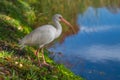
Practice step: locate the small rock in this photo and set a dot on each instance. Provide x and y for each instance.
(16, 63)
(20, 65)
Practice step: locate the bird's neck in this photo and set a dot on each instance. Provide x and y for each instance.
(58, 28)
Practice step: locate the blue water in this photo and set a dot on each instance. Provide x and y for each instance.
(93, 53)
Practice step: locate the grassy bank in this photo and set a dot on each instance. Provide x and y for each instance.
(18, 18)
(14, 67)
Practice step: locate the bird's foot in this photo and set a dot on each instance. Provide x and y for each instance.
(45, 64)
(39, 64)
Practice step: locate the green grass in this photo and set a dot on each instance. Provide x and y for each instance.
(14, 67)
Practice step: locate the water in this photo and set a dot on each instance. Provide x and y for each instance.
(93, 53)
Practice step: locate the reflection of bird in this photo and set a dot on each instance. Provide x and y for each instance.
(44, 35)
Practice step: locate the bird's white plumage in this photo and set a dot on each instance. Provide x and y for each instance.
(40, 36)
(43, 34)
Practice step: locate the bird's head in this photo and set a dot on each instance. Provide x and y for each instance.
(59, 17)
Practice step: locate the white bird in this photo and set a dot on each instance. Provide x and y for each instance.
(45, 34)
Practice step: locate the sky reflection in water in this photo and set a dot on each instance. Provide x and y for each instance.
(97, 45)
(103, 31)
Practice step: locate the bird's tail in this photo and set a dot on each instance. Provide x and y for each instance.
(21, 44)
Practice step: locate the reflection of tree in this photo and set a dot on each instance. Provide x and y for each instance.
(113, 9)
(81, 6)
(45, 9)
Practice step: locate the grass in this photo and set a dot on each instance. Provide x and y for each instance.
(14, 67)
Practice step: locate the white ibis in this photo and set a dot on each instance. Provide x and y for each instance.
(45, 34)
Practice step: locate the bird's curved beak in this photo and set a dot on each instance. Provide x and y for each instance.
(66, 22)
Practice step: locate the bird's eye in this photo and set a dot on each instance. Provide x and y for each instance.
(60, 17)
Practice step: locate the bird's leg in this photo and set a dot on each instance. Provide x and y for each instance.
(36, 53)
(44, 62)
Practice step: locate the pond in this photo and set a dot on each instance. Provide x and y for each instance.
(94, 52)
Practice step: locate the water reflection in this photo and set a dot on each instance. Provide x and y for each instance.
(94, 52)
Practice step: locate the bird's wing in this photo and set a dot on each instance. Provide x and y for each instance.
(40, 36)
